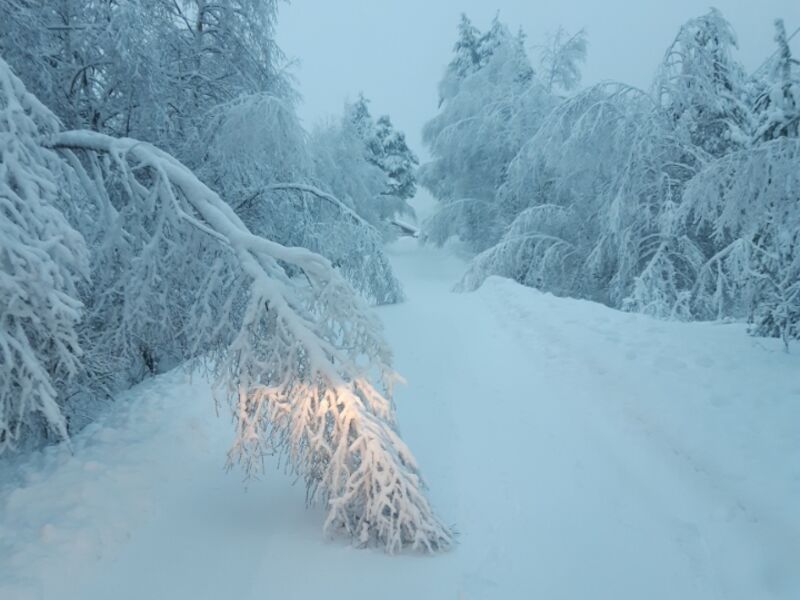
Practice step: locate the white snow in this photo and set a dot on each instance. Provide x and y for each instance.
(581, 453)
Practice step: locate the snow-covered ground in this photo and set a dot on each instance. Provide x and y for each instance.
(581, 453)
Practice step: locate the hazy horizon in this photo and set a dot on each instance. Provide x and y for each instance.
(395, 52)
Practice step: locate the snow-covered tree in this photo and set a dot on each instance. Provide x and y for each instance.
(494, 38)
(342, 166)
(204, 81)
(217, 52)
(101, 65)
(777, 107)
(674, 204)
(702, 87)
(467, 52)
(296, 352)
(345, 155)
(584, 198)
(287, 185)
(749, 201)
(472, 51)
(560, 60)
(260, 158)
(483, 122)
(702, 114)
(147, 68)
(396, 159)
(358, 116)
(679, 203)
(43, 261)
(385, 148)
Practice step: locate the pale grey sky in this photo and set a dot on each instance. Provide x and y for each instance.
(395, 50)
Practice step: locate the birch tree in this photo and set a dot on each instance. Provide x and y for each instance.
(297, 355)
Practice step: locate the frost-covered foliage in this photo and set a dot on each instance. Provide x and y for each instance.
(397, 160)
(680, 202)
(701, 86)
(304, 215)
(117, 262)
(587, 229)
(561, 58)
(296, 352)
(146, 68)
(750, 203)
(535, 251)
(778, 106)
(385, 148)
(260, 158)
(206, 82)
(349, 160)
(488, 111)
(42, 263)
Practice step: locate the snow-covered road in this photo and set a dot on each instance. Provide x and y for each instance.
(580, 452)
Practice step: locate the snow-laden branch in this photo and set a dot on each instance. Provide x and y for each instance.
(330, 227)
(748, 201)
(42, 262)
(297, 363)
(309, 189)
(534, 251)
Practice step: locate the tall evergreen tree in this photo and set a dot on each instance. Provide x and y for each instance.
(702, 86)
(777, 107)
(467, 49)
(385, 148)
(396, 159)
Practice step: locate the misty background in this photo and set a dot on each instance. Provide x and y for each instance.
(395, 51)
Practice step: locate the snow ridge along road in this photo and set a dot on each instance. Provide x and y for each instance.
(581, 453)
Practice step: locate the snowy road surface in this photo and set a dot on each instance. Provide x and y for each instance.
(582, 453)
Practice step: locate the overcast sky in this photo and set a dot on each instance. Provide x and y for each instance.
(395, 50)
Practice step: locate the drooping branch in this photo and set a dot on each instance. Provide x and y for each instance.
(293, 363)
(309, 189)
(43, 260)
(361, 260)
